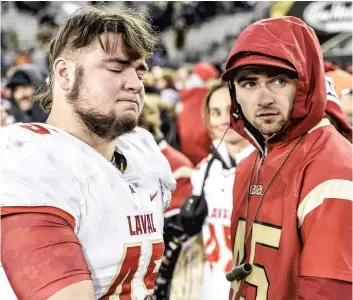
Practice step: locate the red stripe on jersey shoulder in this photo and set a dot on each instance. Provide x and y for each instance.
(10, 210)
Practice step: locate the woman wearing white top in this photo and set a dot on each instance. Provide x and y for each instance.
(217, 191)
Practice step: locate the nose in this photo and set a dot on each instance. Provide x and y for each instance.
(225, 118)
(132, 82)
(265, 97)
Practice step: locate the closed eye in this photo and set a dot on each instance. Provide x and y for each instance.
(115, 71)
(140, 77)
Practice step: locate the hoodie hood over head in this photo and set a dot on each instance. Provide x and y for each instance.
(290, 41)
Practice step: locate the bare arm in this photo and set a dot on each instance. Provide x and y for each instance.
(82, 290)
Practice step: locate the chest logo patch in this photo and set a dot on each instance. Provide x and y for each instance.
(256, 189)
(153, 196)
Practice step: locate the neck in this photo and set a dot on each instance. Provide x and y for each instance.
(73, 126)
(237, 147)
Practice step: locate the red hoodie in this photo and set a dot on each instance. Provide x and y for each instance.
(301, 237)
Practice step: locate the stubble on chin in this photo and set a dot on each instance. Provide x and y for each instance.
(269, 129)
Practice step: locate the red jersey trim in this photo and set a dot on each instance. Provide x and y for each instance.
(5, 211)
(48, 247)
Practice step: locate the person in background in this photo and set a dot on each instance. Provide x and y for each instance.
(293, 196)
(342, 82)
(6, 116)
(166, 85)
(24, 83)
(181, 77)
(190, 120)
(213, 181)
(334, 112)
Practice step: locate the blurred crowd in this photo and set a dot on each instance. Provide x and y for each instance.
(178, 94)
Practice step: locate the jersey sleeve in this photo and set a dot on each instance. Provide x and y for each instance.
(40, 254)
(32, 174)
(325, 221)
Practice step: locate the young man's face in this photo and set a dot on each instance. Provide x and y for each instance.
(108, 91)
(266, 100)
(23, 95)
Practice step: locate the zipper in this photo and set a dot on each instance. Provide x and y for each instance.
(260, 163)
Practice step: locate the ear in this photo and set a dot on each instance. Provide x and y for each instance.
(62, 71)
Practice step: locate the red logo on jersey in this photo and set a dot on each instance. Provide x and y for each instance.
(141, 224)
(153, 196)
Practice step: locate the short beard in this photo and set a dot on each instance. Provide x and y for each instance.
(270, 129)
(105, 126)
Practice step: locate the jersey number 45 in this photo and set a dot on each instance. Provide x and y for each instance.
(121, 284)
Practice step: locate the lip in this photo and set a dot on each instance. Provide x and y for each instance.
(130, 101)
(264, 115)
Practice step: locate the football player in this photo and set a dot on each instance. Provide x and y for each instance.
(83, 196)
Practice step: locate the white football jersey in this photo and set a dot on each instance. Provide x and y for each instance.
(218, 191)
(118, 216)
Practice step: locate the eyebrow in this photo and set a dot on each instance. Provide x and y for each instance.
(126, 62)
(246, 78)
(219, 108)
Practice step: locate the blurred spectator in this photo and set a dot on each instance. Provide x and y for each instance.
(167, 88)
(334, 112)
(193, 135)
(21, 58)
(5, 93)
(181, 77)
(6, 116)
(24, 83)
(330, 66)
(342, 82)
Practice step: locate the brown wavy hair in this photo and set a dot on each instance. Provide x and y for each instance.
(86, 24)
